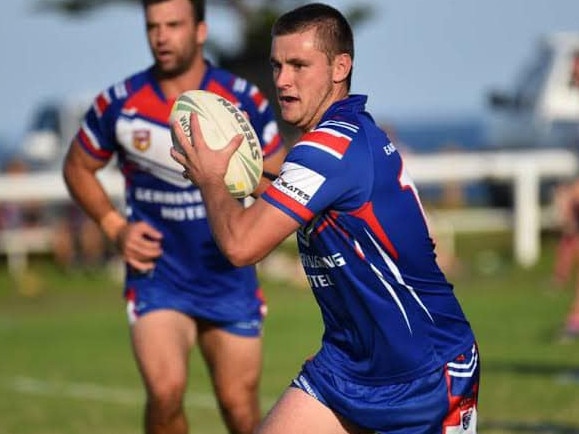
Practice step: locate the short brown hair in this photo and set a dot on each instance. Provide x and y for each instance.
(334, 33)
(197, 5)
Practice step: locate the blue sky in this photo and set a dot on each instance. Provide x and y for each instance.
(416, 58)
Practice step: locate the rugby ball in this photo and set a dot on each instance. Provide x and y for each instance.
(220, 121)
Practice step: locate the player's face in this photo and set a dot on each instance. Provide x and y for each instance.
(307, 83)
(174, 38)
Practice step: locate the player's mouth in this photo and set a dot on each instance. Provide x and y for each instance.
(164, 55)
(286, 100)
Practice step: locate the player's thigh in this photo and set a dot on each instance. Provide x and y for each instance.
(162, 341)
(234, 361)
(298, 412)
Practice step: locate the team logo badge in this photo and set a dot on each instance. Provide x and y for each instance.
(141, 140)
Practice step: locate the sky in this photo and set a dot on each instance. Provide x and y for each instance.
(414, 58)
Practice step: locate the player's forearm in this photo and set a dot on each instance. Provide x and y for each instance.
(88, 192)
(226, 217)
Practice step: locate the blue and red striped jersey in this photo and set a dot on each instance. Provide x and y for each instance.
(130, 120)
(390, 315)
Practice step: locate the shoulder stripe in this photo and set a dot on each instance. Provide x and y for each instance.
(258, 98)
(239, 85)
(101, 103)
(88, 142)
(215, 87)
(342, 124)
(120, 90)
(327, 140)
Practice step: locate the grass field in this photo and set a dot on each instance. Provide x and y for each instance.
(66, 366)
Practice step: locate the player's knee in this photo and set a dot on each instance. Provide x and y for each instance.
(235, 403)
(240, 408)
(166, 396)
(238, 394)
(241, 417)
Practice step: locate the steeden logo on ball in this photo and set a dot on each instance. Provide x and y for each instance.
(220, 121)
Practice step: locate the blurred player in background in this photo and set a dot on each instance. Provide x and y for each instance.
(566, 203)
(397, 353)
(180, 289)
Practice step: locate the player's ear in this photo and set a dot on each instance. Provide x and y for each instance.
(342, 67)
(201, 33)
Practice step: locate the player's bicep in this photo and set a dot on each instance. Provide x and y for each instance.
(78, 159)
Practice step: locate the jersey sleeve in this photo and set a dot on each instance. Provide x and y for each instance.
(97, 130)
(317, 175)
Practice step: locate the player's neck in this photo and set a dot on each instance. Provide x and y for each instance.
(190, 79)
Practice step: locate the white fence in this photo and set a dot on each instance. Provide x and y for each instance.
(525, 169)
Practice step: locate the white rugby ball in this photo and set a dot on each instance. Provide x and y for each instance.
(220, 121)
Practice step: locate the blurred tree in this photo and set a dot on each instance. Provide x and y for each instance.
(251, 60)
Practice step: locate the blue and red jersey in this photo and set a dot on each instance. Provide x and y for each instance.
(130, 120)
(390, 315)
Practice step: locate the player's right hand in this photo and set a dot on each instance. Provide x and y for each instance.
(140, 245)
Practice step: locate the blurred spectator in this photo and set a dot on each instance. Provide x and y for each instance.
(566, 201)
(567, 208)
(77, 241)
(14, 217)
(574, 80)
(453, 194)
(19, 215)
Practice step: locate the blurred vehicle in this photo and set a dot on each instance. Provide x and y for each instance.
(52, 127)
(542, 109)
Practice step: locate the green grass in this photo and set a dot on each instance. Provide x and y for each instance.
(66, 365)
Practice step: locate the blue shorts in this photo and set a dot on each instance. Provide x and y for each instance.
(144, 295)
(444, 401)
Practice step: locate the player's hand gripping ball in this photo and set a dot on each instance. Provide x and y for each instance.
(220, 121)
